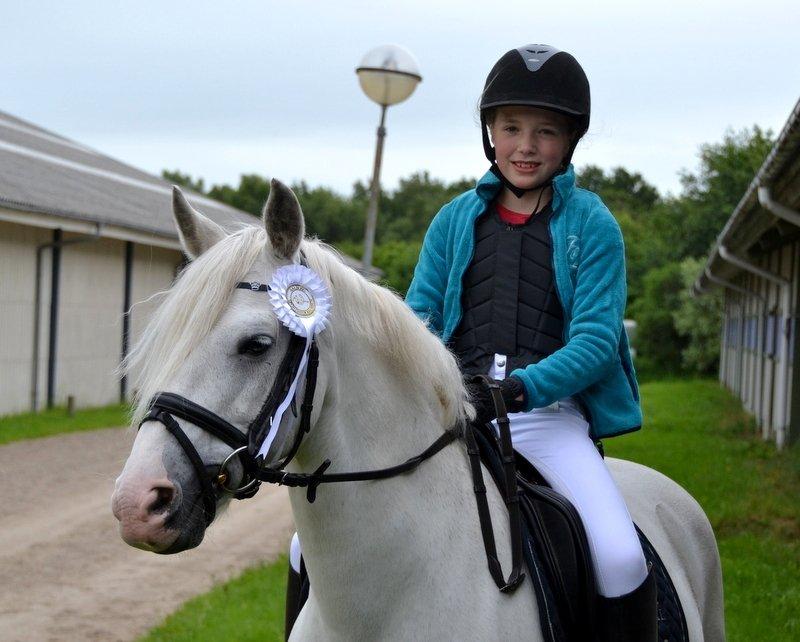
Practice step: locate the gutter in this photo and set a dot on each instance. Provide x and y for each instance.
(774, 160)
(731, 286)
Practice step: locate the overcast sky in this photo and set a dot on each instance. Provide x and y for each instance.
(220, 89)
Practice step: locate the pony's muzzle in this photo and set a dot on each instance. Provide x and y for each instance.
(145, 512)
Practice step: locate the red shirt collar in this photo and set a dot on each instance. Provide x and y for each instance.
(510, 216)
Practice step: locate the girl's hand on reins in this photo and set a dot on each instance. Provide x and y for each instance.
(512, 389)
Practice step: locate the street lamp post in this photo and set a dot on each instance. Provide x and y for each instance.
(387, 75)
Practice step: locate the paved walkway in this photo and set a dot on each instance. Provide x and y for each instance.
(66, 575)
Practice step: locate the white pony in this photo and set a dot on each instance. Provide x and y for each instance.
(400, 559)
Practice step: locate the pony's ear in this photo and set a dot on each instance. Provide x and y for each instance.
(197, 233)
(283, 219)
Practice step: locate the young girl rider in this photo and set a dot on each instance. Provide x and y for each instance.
(524, 278)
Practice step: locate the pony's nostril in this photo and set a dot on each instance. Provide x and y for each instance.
(163, 499)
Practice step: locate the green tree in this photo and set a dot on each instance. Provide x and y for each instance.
(690, 223)
(405, 214)
(699, 321)
(330, 216)
(658, 344)
(633, 201)
(620, 189)
(250, 195)
(397, 259)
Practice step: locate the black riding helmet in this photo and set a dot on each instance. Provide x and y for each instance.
(537, 76)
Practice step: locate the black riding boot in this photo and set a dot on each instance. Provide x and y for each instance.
(294, 599)
(632, 617)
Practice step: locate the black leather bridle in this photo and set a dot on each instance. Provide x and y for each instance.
(165, 406)
(213, 479)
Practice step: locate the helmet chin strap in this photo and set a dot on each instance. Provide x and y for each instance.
(519, 192)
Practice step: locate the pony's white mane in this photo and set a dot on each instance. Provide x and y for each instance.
(389, 325)
(201, 293)
(190, 309)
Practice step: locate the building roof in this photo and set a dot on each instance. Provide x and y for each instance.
(43, 173)
(752, 229)
(46, 173)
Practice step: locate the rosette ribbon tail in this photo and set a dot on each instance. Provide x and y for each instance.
(301, 301)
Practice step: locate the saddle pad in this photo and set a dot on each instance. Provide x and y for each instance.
(671, 618)
(568, 615)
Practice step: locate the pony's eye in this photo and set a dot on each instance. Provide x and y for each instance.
(255, 345)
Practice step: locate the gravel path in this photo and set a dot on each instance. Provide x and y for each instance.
(66, 575)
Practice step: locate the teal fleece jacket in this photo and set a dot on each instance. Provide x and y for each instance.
(589, 267)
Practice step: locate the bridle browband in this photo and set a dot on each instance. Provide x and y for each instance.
(165, 406)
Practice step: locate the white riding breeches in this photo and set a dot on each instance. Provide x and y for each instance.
(295, 552)
(556, 441)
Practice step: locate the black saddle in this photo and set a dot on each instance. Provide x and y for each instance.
(558, 559)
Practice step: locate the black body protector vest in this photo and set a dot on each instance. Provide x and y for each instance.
(509, 299)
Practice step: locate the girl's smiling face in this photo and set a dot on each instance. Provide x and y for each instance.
(530, 143)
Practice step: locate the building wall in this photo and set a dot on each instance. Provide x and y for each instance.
(18, 245)
(753, 329)
(89, 324)
(154, 270)
(89, 330)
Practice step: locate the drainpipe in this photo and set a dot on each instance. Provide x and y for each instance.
(785, 286)
(781, 211)
(55, 278)
(698, 290)
(126, 317)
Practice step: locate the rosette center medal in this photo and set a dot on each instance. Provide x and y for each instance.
(300, 300)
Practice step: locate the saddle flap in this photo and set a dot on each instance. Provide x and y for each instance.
(556, 550)
(555, 544)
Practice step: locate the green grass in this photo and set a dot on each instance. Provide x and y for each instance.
(696, 433)
(247, 609)
(56, 420)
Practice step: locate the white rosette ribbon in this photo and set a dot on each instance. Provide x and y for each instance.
(301, 302)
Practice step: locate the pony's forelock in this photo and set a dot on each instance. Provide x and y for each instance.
(190, 309)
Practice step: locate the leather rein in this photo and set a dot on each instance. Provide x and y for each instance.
(213, 478)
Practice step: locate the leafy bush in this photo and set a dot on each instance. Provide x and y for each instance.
(658, 344)
(699, 321)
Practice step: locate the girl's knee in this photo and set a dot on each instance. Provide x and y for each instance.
(621, 568)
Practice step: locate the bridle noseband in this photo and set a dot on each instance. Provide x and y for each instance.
(165, 406)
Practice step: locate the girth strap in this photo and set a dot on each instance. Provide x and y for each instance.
(511, 496)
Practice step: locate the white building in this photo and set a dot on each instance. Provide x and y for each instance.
(756, 259)
(82, 238)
